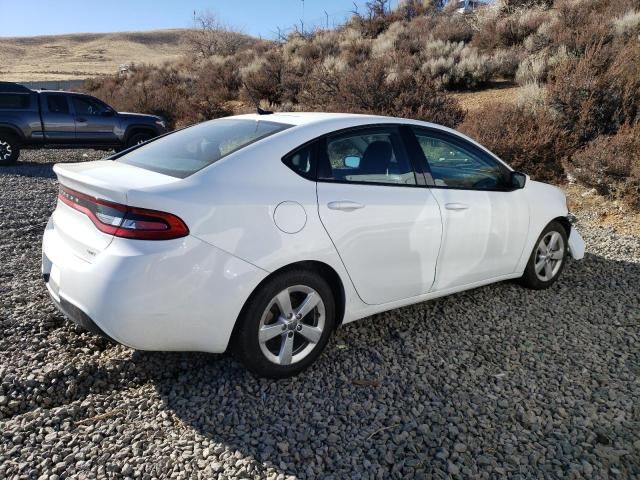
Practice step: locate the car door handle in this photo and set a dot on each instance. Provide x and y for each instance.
(81, 119)
(345, 206)
(456, 206)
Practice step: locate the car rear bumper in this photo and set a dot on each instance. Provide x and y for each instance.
(181, 294)
(73, 313)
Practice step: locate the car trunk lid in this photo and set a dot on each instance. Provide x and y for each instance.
(104, 184)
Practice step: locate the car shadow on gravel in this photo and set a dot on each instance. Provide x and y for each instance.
(493, 379)
(30, 169)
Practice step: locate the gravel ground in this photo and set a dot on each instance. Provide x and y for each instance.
(496, 382)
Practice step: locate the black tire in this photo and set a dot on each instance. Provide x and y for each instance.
(138, 138)
(9, 149)
(246, 345)
(544, 279)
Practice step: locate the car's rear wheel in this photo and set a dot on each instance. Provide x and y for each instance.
(285, 325)
(547, 259)
(9, 149)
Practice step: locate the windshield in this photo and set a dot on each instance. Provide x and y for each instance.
(185, 152)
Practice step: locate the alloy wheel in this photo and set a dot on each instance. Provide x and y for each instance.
(291, 325)
(549, 256)
(5, 150)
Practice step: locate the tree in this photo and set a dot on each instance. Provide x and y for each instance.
(210, 37)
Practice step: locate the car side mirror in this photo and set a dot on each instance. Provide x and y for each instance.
(352, 161)
(518, 179)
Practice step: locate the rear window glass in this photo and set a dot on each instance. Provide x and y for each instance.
(187, 151)
(15, 101)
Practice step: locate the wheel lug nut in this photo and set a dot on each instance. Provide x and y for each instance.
(284, 327)
(290, 334)
(299, 327)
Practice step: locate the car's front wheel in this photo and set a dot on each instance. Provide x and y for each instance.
(286, 324)
(138, 139)
(547, 259)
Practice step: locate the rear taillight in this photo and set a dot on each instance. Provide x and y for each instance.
(125, 221)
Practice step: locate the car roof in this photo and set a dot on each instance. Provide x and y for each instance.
(337, 121)
(308, 118)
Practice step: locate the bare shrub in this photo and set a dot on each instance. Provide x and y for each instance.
(611, 165)
(370, 89)
(452, 28)
(149, 89)
(211, 37)
(533, 69)
(529, 140)
(597, 92)
(628, 24)
(263, 78)
(354, 47)
(532, 97)
(505, 63)
(455, 65)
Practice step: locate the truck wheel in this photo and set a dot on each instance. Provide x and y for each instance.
(138, 138)
(9, 149)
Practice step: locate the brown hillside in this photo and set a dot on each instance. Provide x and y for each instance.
(82, 55)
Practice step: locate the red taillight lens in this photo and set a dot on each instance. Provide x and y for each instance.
(124, 221)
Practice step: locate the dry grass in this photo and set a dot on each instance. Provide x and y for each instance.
(78, 56)
(496, 93)
(601, 210)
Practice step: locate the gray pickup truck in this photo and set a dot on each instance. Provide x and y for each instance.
(53, 119)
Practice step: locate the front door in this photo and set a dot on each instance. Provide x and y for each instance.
(94, 121)
(385, 228)
(485, 220)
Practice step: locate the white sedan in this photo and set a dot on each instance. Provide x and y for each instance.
(263, 233)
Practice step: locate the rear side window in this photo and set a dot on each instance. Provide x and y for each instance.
(15, 101)
(185, 152)
(302, 161)
(57, 104)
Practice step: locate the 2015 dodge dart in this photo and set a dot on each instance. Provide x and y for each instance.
(264, 233)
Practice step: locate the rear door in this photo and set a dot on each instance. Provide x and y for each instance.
(57, 118)
(485, 220)
(384, 226)
(95, 121)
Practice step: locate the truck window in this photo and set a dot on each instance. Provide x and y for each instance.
(14, 101)
(87, 106)
(57, 104)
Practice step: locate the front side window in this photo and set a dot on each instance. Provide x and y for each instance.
(184, 152)
(57, 104)
(88, 106)
(371, 156)
(454, 165)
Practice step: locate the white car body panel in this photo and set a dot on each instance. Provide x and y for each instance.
(546, 203)
(576, 245)
(484, 235)
(250, 215)
(172, 295)
(401, 229)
